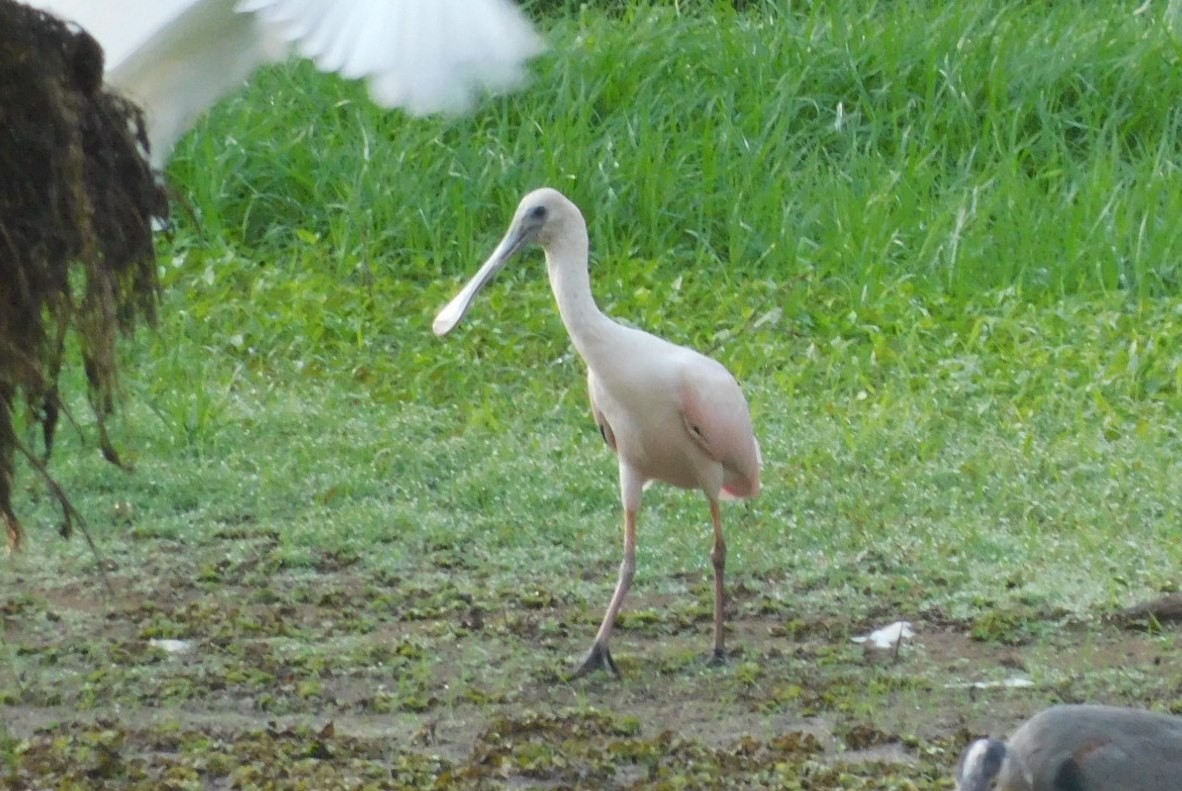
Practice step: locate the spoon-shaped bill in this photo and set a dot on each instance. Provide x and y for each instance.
(453, 312)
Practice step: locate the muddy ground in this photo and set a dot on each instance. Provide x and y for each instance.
(213, 666)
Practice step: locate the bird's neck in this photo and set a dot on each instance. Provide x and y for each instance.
(586, 324)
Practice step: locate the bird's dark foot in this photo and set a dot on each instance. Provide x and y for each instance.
(598, 658)
(717, 658)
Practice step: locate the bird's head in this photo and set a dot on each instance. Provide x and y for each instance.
(544, 216)
(989, 765)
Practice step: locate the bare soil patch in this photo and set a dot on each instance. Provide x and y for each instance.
(202, 671)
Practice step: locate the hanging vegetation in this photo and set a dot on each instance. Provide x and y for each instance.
(77, 263)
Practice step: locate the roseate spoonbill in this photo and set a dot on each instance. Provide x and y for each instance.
(1079, 748)
(177, 57)
(670, 413)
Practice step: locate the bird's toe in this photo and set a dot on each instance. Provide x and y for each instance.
(598, 658)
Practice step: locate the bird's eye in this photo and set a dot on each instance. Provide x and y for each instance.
(538, 213)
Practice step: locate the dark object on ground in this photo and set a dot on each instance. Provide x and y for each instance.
(77, 199)
(1159, 610)
(1079, 747)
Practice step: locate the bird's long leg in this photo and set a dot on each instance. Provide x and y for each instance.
(600, 657)
(718, 557)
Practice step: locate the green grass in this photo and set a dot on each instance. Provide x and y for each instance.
(936, 241)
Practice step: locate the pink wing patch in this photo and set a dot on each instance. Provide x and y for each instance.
(717, 417)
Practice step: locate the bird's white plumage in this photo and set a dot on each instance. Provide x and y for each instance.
(423, 56)
(675, 415)
(670, 413)
(177, 57)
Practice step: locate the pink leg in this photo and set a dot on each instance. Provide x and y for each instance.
(718, 557)
(599, 657)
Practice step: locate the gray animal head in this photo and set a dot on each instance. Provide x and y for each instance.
(989, 765)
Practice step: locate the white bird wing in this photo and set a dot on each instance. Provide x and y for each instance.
(177, 57)
(122, 26)
(425, 56)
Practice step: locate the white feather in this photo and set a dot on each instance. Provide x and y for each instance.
(178, 57)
